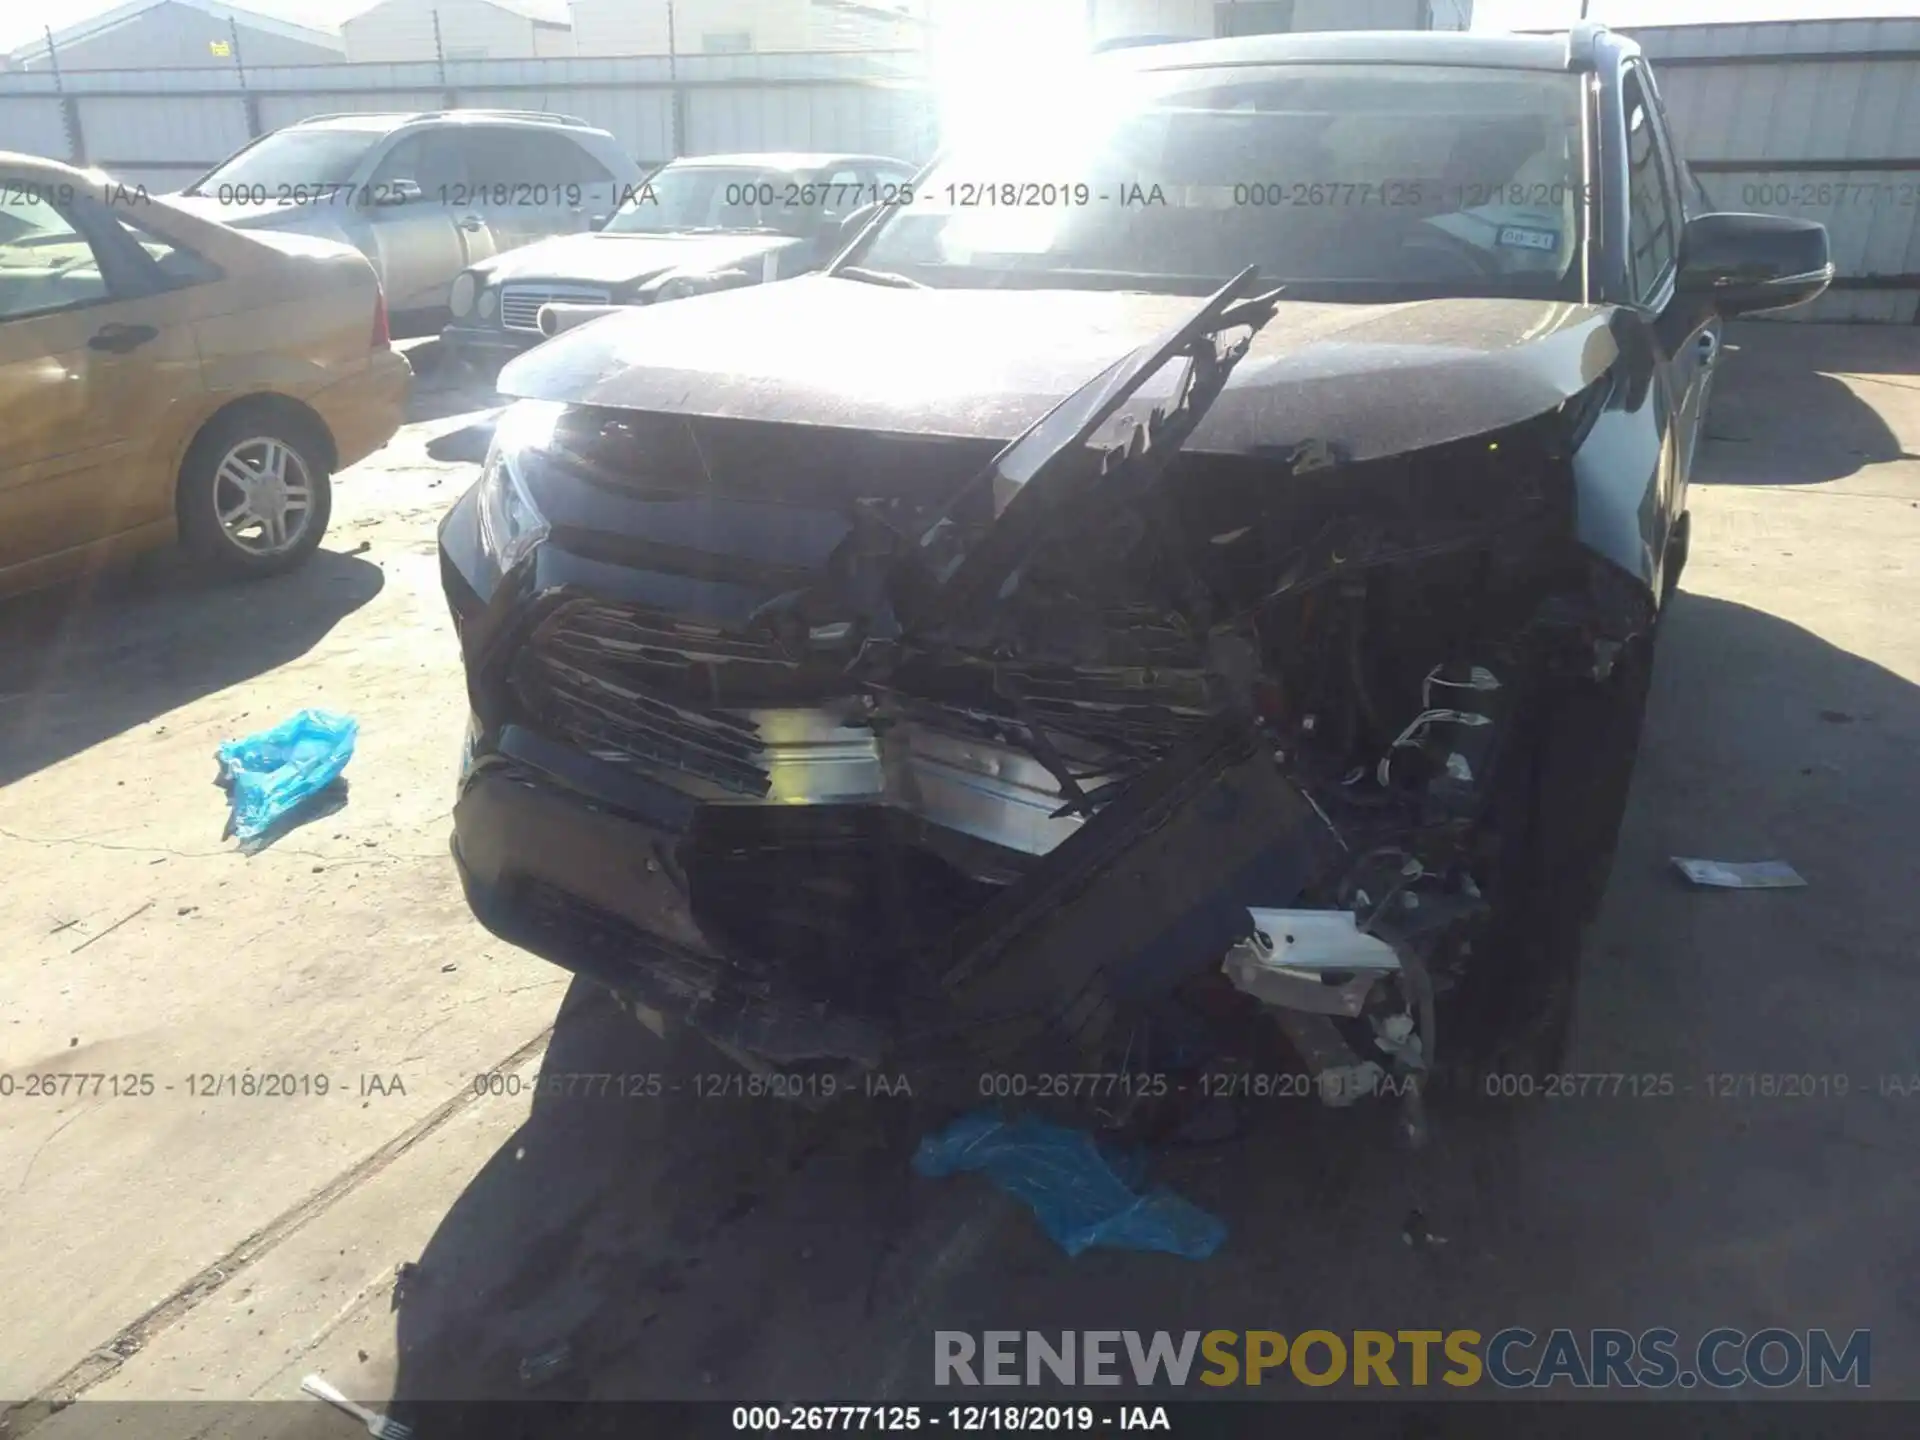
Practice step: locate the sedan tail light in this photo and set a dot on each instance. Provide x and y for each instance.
(382, 336)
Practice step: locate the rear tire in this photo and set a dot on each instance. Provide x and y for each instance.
(255, 493)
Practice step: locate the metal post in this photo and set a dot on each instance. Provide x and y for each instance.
(69, 105)
(677, 109)
(250, 102)
(440, 63)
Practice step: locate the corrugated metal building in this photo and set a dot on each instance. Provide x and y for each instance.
(1819, 119)
(163, 129)
(735, 27)
(1112, 20)
(398, 30)
(177, 34)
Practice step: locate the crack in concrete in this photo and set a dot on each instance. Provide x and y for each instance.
(103, 1360)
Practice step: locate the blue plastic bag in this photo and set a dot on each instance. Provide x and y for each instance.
(268, 774)
(1081, 1199)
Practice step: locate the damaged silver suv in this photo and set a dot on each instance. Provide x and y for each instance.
(1191, 571)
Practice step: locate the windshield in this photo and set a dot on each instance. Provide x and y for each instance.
(725, 197)
(289, 160)
(1349, 179)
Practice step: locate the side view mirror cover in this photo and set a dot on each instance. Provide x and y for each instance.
(1748, 263)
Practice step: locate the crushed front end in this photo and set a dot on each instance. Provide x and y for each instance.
(854, 750)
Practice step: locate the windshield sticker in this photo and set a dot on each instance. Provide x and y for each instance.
(1519, 237)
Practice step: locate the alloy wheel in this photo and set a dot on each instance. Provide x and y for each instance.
(263, 496)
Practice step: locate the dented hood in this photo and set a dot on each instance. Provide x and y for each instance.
(1370, 380)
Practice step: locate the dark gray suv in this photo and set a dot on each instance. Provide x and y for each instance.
(1183, 579)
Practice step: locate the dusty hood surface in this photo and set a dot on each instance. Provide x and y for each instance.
(628, 259)
(1369, 379)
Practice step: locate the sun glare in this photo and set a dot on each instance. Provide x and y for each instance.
(988, 53)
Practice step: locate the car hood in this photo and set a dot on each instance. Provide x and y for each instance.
(1366, 380)
(628, 259)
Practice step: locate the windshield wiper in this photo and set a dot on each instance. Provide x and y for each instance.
(878, 277)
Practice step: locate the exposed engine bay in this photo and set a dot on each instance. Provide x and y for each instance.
(1119, 740)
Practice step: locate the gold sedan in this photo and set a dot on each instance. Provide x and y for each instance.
(166, 377)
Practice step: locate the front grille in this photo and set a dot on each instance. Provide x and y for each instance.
(649, 691)
(520, 304)
(1132, 710)
(634, 688)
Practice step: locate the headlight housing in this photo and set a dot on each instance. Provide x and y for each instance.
(488, 301)
(676, 287)
(510, 520)
(680, 286)
(461, 300)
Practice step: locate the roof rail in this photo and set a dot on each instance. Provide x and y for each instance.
(407, 116)
(347, 115)
(553, 116)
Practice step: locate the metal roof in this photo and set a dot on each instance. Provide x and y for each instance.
(120, 15)
(552, 14)
(546, 12)
(1391, 47)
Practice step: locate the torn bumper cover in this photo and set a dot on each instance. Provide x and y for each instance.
(583, 863)
(596, 889)
(991, 763)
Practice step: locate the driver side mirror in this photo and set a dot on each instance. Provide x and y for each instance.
(1747, 263)
(397, 192)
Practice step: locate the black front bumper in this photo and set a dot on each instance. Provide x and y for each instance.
(588, 878)
(609, 872)
(581, 863)
(576, 861)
